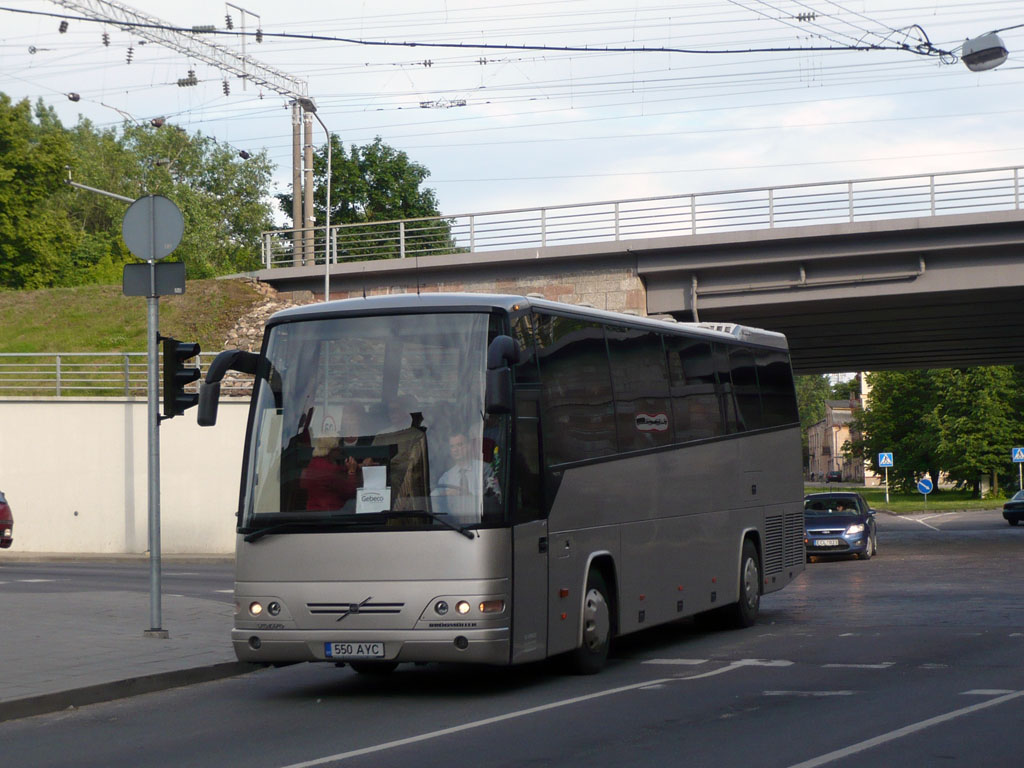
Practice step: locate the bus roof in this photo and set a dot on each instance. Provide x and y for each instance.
(410, 302)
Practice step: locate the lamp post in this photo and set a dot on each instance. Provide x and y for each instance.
(308, 105)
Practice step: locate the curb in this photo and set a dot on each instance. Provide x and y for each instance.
(121, 689)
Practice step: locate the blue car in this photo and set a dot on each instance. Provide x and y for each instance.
(839, 524)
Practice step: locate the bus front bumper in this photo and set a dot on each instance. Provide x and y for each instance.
(282, 646)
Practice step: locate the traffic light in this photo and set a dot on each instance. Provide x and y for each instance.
(177, 376)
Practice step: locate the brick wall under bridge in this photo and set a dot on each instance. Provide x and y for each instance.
(613, 286)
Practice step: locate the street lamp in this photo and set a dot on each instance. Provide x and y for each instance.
(308, 105)
(983, 52)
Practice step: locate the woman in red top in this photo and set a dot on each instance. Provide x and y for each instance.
(329, 484)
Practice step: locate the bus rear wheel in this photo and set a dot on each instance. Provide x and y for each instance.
(743, 613)
(590, 657)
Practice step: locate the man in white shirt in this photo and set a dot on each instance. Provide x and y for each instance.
(468, 481)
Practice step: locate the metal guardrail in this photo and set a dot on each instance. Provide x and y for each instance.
(872, 199)
(91, 374)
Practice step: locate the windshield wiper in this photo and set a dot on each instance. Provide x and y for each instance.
(464, 530)
(259, 533)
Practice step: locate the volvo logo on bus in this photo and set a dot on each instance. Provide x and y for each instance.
(354, 608)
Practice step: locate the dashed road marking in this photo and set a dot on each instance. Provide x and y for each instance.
(809, 694)
(987, 692)
(682, 662)
(35, 581)
(882, 665)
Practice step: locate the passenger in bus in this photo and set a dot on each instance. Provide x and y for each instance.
(468, 480)
(329, 479)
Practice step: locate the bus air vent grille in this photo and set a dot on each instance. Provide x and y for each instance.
(795, 538)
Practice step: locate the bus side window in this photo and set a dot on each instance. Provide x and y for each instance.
(578, 414)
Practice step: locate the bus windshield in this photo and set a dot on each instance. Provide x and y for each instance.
(375, 422)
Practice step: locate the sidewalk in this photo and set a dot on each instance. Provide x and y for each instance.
(69, 649)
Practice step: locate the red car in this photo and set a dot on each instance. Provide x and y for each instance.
(6, 523)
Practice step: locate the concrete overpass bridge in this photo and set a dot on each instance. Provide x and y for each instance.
(893, 272)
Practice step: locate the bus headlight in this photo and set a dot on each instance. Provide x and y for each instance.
(255, 608)
(462, 607)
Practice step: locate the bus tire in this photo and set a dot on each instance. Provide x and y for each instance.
(591, 655)
(743, 613)
(377, 668)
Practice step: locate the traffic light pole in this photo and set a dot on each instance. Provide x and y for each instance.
(153, 403)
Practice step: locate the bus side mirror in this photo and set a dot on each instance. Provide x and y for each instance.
(209, 399)
(209, 390)
(502, 353)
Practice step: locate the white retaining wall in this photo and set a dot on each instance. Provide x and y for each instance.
(75, 474)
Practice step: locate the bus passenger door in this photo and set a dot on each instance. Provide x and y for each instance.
(529, 537)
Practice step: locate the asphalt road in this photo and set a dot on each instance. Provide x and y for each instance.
(910, 658)
(212, 581)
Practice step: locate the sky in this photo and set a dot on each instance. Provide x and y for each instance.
(539, 124)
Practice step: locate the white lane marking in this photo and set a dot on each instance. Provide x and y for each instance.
(36, 581)
(987, 692)
(225, 591)
(809, 694)
(685, 662)
(523, 712)
(926, 525)
(899, 733)
(883, 665)
(180, 573)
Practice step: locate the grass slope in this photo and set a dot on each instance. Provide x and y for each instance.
(99, 318)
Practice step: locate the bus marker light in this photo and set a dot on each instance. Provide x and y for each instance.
(255, 609)
(565, 616)
(492, 606)
(563, 592)
(462, 607)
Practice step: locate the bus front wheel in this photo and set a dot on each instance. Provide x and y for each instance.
(590, 657)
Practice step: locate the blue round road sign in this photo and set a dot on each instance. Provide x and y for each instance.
(924, 485)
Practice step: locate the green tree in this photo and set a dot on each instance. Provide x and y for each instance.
(811, 393)
(223, 198)
(900, 418)
(33, 234)
(375, 182)
(978, 422)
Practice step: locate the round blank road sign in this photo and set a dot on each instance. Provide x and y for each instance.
(152, 227)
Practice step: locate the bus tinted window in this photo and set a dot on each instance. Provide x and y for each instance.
(775, 378)
(695, 411)
(744, 386)
(640, 386)
(726, 395)
(578, 420)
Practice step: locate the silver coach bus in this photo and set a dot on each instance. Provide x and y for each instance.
(500, 479)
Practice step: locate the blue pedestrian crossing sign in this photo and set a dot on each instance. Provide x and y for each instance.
(1018, 455)
(885, 459)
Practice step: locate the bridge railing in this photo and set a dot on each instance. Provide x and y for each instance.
(91, 374)
(870, 199)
